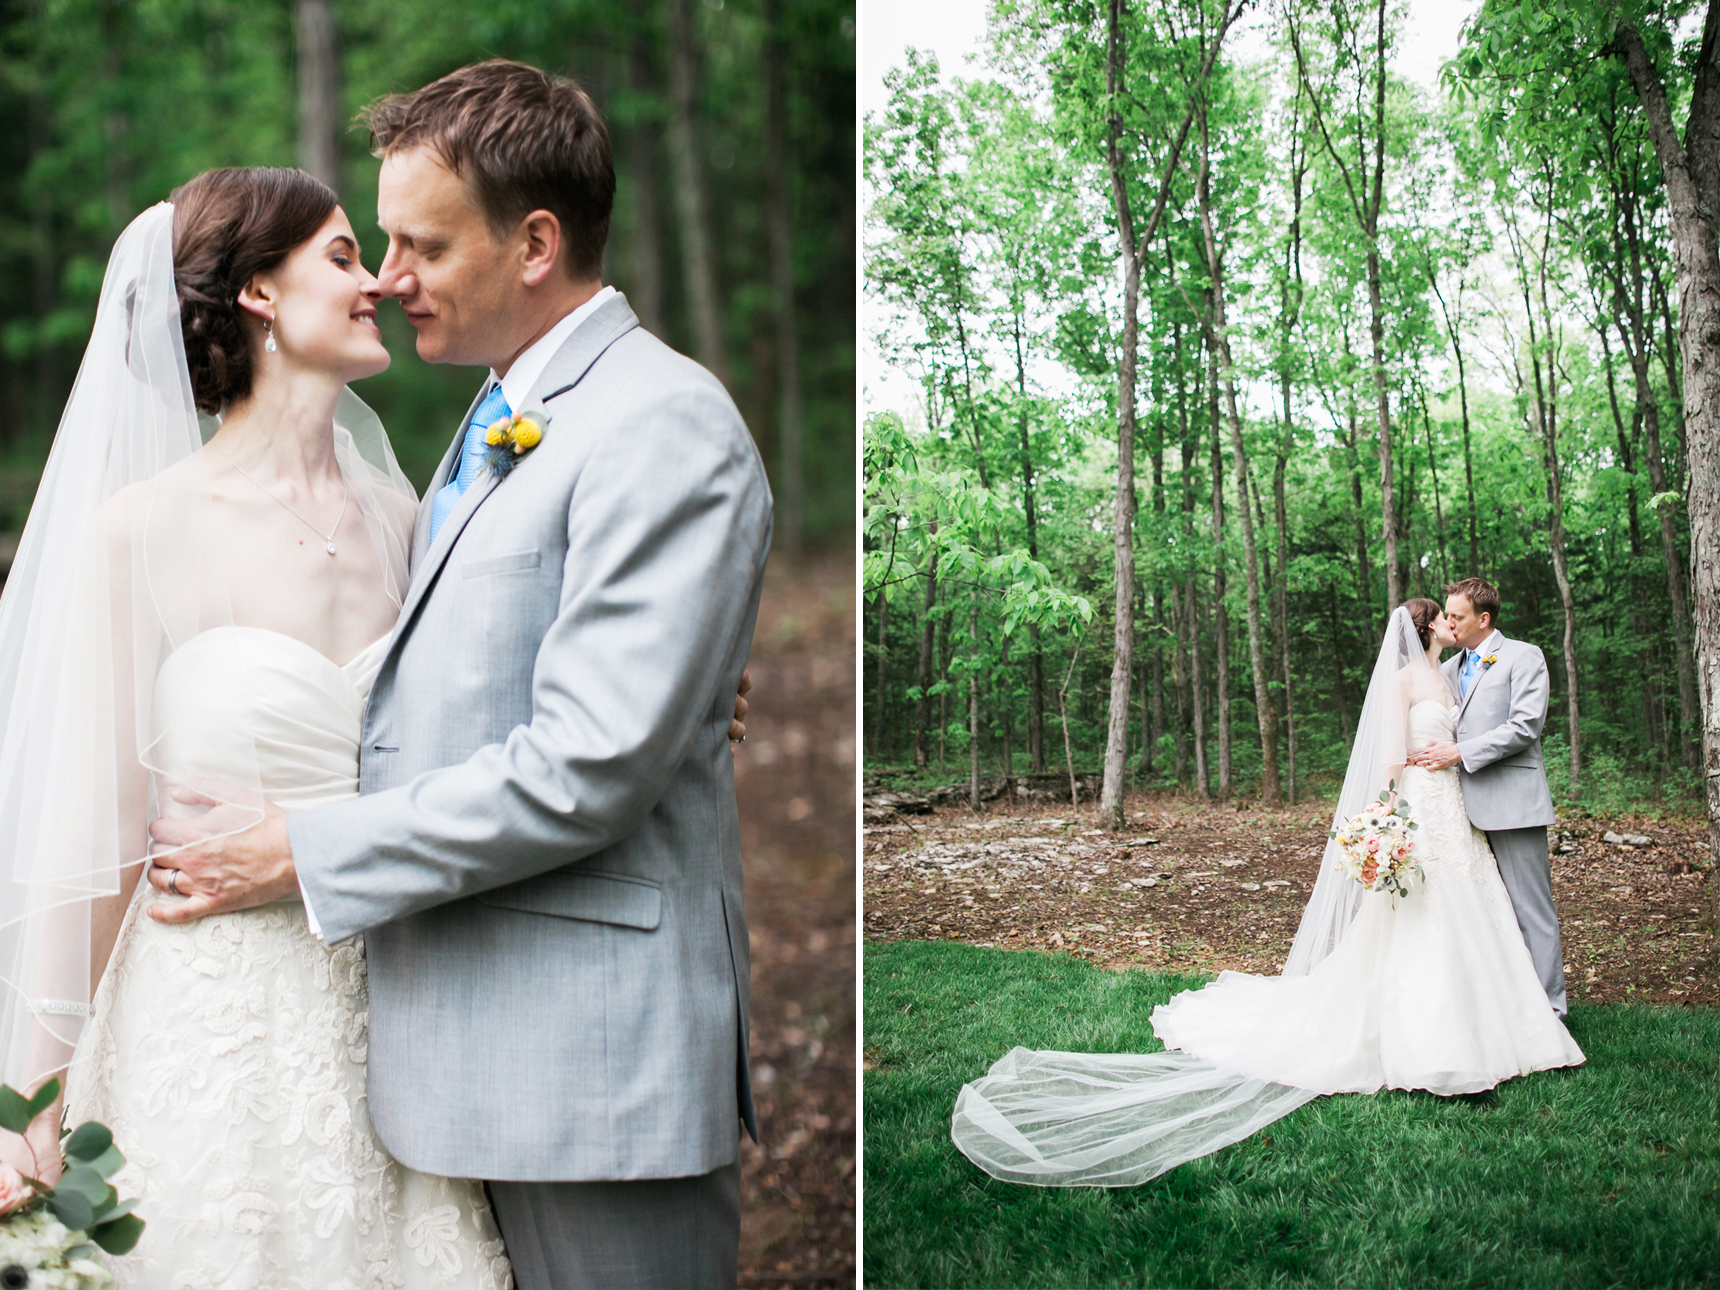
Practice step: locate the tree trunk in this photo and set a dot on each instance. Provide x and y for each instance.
(1546, 412)
(1266, 713)
(1693, 193)
(1382, 392)
(644, 233)
(116, 127)
(879, 684)
(1202, 775)
(791, 474)
(1220, 627)
(697, 264)
(973, 700)
(1036, 660)
(320, 113)
(1451, 330)
(928, 645)
(1123, 515)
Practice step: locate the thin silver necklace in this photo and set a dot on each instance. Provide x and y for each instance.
(329, 539)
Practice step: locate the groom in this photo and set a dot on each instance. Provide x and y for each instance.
(1502, 687)
(544, 858)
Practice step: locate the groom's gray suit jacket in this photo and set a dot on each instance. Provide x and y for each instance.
(545, 858)
(1499, 736)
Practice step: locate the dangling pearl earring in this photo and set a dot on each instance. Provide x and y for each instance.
(269, 339)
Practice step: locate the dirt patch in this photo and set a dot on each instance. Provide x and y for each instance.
(795, 780)
(1204, 887)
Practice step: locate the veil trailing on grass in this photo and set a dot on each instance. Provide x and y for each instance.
(1055, 1119)
(125, 558)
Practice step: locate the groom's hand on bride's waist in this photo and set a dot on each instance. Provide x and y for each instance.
(223, 860)
(1435, 756)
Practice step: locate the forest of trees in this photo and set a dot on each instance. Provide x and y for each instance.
(1220, 357)
(734, 231)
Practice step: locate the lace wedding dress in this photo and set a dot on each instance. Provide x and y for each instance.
(1435, 991)
(228, 1054)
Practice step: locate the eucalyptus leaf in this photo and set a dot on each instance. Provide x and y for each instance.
(44, 1097)
(89, 1140)
(120, 1235)
(72, 1209)
(15, 1113)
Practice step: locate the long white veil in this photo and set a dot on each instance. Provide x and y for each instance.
(1055, 1119)
(121, 562)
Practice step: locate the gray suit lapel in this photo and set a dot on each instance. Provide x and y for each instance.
(564, 371)
(1489, 646)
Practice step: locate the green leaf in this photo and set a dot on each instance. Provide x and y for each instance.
(72, 1209)
(119, 1236)
(81, 1180)
(109, 1163)
(44, 1097)
(15, 1113)
(89, 1140)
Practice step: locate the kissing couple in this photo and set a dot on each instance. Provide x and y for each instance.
(1450, 982)
(443, 926)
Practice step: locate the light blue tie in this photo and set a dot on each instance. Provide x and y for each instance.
(1468, 670)
(492, 409)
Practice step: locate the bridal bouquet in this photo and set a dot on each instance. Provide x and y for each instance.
(49, 1235)
(1377, 845)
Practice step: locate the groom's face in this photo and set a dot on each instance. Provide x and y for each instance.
(446, 268)
(1469, 628)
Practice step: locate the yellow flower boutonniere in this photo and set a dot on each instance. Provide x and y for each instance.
(511, 438)
(1488, 660)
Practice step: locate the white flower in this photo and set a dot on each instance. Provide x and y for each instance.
(433, 1234)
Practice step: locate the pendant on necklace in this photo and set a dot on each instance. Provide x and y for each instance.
(331, 547)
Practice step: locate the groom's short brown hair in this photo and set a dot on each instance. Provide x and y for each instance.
(1482, 595)
(523, 139)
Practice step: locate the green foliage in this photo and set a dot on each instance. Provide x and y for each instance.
(114, 103)
(1514, 203)
(83, 1199)
(1601, 1175)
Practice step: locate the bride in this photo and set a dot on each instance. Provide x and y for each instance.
(198, 598)
(1433, 990)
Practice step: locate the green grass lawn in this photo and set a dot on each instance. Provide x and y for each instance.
(1606, 1175)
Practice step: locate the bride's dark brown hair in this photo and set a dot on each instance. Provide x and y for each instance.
(229, 225)
(1422, 613)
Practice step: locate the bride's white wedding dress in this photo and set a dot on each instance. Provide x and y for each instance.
(228, 1054)
(1435, 990)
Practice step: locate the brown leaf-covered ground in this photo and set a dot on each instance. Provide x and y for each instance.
(795, 778)
(1203, 887)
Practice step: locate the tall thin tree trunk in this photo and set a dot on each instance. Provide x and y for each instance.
(697, 263)
(790, 469)
(879, 684)
(320, 112)
(928, 632)
(1451, 330)
(1693, 192)
(1266, 714)
(1123, 515)
(116, 126)
(1220, 626)
(645, 229)
(1202, 776)
(1035, 659)
(973, 700)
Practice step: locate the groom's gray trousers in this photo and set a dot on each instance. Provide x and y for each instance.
(1528, 873)
(655, 1234)
(1499, 720)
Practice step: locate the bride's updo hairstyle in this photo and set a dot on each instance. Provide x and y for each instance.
(1422, 613)
(229, 225)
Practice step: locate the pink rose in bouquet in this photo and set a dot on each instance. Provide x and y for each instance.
(14, 1191)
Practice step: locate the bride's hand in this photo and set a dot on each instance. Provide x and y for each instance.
(43, 1140)
(738, 727)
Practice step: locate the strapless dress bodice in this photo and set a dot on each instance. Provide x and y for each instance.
(262, 709)
(1431, 721)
